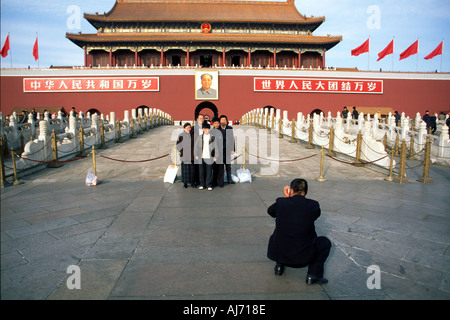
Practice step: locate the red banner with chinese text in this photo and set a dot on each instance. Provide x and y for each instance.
(318, 85)
(94, 84)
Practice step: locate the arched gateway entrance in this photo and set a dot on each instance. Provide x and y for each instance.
(208, 109)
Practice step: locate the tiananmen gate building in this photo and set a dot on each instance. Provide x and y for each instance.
(254, 54)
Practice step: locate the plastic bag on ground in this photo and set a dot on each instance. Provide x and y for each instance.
(244, 175)
(171, 174)
(91, 179)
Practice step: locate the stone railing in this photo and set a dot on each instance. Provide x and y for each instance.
(365, 138)
(62, 139)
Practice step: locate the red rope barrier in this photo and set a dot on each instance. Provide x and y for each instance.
(147, 160)
(357, 163)
(291, 160)
(62, 161)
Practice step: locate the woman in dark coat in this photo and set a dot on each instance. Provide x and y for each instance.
(185, 145)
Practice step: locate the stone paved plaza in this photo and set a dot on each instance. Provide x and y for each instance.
(135, 237)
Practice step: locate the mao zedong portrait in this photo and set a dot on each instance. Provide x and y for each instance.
(206, 92)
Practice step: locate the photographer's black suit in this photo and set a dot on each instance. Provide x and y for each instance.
(294, 243)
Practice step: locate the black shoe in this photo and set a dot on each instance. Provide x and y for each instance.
(313, 279)
(185, 185)
(279, 269)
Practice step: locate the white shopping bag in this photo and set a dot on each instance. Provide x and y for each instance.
(244, 175)
(91, 179)
(171, 174)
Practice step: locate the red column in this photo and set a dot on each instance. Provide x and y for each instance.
(187, 58)
(162, 57)
(274, 59)
(136, 57)
(299, 65)
(323, 60)
(85, 57)
(110, 58)
(223, 58)
(249, 62)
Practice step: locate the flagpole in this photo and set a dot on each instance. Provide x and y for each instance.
(368, 57)
(417, 60)
(393, 38)
(442, 53)
(38, 47)
(10, 54)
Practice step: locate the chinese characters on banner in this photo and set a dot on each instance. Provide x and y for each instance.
(318, 85)
(94, 84)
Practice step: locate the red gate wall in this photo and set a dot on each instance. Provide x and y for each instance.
(409, 93)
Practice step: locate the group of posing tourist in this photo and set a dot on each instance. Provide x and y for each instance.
(205, 152)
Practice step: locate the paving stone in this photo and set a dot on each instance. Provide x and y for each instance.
(135, 237)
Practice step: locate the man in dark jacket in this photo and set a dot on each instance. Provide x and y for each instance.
(294, 243)
(228, 146)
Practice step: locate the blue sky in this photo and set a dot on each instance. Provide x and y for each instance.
(355, 20)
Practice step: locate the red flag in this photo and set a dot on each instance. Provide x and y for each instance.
(5, 48)
(388, 50)
(436, 51)
(412, 49)
(35, 50)
(361, 49)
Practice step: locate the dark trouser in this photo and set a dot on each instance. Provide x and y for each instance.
(227, 165)
(197, 169)
(321, 250)
(228, 168)
(217, 174)
(206, 176)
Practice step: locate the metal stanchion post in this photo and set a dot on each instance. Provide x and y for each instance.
(140, 124)
(391, 167)
(322, 153)
(426, 163)
(331, 143)
(271, 123)
(16, 179)
(411, 148)
(81, 136)
(396, 146)
(280, 128)
(132, 128)
(93, 160)
(402, 166)
(358, 147)
(55, 152)
(145, 123)
(119, 133)
(293, 131)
